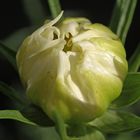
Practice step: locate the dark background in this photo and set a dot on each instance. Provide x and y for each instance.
(13, 17)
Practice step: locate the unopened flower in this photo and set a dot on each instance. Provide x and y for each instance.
(73, 67)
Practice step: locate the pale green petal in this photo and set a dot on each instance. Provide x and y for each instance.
(75, 68)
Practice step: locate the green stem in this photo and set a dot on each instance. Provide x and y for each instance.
(9, 54)
(134, 62)
(55, 7)
(122, 17)
(60, 126)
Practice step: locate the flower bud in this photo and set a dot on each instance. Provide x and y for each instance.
(73, 67)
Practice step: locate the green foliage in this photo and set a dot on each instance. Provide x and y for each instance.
(34, 10)
(14, 115)
(36, 115)
(112, 121)
(134, 62)
(54, 7)
(122, 17)
(117, 121)
(131, 91)
(8, 53)
(14, 40)
(13, 94)
(85, 132)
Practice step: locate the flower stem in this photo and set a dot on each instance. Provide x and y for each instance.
(122, 17)
(55, 7)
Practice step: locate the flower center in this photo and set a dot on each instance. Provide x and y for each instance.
(68, 39)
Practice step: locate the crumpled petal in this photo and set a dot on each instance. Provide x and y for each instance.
(74, 67)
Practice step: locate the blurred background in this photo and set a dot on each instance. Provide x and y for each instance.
(18, 18)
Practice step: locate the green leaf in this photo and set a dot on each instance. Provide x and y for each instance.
(134, 62)
(30, 115)
(116, 122)
(13, 94)
(122, 17)
(76, 132)
(125, 136)
(60, 125)
(130, 93)
(35, 11)
(14, 40)
(9, 54)
(38, 133)
(14, 115)
(36, 115)
(55, 7)
(84, 132)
